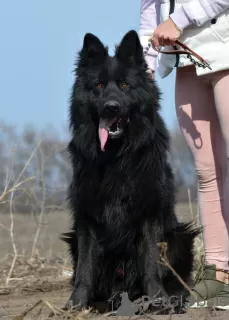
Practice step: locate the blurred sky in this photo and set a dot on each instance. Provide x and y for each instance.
(39, 41)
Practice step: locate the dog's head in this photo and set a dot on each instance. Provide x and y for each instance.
(118, 88)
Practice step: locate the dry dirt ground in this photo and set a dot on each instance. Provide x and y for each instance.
(40, 285)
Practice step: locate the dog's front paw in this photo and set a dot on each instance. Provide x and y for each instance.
(70, 306)
(74, 306)
(77, 301)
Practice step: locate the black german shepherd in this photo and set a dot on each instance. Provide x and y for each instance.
(122, 191)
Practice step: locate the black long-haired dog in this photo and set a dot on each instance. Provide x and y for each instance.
(122, 190)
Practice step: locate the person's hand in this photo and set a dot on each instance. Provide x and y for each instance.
(166, 34)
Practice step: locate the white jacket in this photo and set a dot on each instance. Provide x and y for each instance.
(210, 40)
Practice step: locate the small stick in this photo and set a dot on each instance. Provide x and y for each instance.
(163, 256)
(165, 262)
(12, 240)
(23, 314)
(50, 307)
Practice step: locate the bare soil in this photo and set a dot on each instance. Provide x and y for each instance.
(40, 285)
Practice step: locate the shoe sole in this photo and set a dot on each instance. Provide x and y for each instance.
(204, 304)
(222, 307)
(198, 305)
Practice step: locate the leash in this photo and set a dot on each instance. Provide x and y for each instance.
(202, 64)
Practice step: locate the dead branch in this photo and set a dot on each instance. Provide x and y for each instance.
(42, 206)
(12, 240)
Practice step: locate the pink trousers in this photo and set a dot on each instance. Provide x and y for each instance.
(202, 107)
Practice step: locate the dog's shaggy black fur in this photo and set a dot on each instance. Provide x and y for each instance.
(122, 191)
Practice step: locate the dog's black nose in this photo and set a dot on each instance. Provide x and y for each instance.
(111, 106)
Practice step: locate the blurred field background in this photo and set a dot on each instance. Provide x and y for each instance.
(35, 173)
(48, 245)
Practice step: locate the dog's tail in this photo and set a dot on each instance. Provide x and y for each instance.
(67, 236)
(180, 254)
(71, 239)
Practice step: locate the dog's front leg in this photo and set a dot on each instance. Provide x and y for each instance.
(86, 272)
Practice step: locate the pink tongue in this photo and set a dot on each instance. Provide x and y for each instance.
(103, 132)
(103, 136)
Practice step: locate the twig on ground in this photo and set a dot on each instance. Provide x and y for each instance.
(23, 314)
(164, 261)
(37, 315)
(53, 309)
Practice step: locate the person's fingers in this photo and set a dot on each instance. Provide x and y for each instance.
(173, 41)
(166, 41)
(163, 40)
(160, 39)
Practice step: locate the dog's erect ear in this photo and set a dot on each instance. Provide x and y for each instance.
(130, 49)
(93, 51)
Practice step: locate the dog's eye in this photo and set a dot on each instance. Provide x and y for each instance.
(123, 85)
(99, 85)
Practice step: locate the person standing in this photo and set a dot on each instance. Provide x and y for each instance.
(202, 109)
